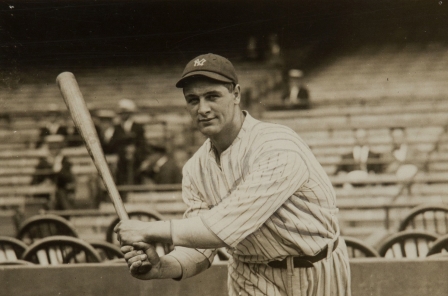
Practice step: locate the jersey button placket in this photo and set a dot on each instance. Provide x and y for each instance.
(225, 168)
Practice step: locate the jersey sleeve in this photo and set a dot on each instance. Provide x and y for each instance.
(274, 173)
(192, 261)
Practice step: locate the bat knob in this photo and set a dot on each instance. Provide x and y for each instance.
(145, 267)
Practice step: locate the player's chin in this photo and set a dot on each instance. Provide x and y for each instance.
(208, 130)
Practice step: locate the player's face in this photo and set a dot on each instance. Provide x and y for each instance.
(398, 136)
(125, 115)
(212, 107)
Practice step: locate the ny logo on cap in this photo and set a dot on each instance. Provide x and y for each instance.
(199, 62)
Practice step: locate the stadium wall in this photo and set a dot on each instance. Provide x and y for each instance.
(369, 278)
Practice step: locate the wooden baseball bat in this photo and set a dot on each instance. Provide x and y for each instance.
(80, 114)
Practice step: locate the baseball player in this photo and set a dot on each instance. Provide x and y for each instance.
(252, 187)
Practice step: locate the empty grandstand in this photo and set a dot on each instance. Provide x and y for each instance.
(376, 67)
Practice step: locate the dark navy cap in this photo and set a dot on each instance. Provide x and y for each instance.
(209, 65)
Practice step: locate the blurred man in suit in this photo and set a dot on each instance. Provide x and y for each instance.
(73, 138)
(55, 168)
(362, 158)
(361, 161)
(128, 141)
(54, 125)
(403, 156)
(105, 128)
(160, 167)
(295, 92)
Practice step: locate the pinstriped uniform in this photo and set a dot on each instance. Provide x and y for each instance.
(268, 198)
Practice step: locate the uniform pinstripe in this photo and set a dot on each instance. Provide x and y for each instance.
(268, 198)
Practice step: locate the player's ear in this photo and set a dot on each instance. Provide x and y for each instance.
(237, 94)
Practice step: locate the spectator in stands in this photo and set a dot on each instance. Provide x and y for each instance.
(105, 121)
(105, 127)
(73, 138)
(5, 121)
(252, 51)
(160, 167)
(128, 142)
(54, 125)
(295, 92)
(403, 156)
(362, 160)
(56, 169)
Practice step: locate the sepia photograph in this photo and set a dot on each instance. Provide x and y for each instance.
(214, 148)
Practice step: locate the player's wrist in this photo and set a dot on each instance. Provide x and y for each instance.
(159, 231)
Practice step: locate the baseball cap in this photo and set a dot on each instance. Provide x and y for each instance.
(294, 73)
(104, 113)
(54, 139)
(126, 106)
(209, 65)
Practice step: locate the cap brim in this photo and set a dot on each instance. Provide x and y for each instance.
(211, 75)
(125, 111)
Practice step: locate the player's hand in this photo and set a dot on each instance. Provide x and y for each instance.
(131, 231)
(136, 254)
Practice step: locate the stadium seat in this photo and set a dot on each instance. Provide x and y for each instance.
(440, 246)
(430, 217)
(11, 249)
(41, 226)
(56, 250)
(407, 244)
(16, 262)
(358, 249)
(106, 250)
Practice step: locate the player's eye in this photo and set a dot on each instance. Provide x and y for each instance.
(192, 101)
(213, 97)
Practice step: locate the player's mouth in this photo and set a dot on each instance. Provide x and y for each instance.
(205, 120)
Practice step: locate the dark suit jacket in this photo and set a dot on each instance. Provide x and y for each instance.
(166, 173)
(126, 169)
(106, 145)
(64, 181)
(303, 96)
(44, 131)
(371, 167)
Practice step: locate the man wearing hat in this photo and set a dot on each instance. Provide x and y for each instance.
(105, 128)
(128, 142)
(252, 187)
(160, 166)
(295, 92)
(55, 168)
(54, 125)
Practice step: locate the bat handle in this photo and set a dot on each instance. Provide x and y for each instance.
(145, 267)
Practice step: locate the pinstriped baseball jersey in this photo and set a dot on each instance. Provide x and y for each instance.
(268, 198)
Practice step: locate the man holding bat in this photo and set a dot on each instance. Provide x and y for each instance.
(254, 188)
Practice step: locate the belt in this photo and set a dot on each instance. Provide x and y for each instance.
(304, 261)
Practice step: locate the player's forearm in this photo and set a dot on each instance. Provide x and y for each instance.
(190, 232)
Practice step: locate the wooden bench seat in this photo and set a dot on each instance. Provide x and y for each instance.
(372, 122)
(27, 190)
(369, 108)
(393, 179)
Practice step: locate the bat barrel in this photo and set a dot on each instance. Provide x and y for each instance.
(80, 114)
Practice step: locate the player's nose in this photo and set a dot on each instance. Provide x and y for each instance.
(203, 107)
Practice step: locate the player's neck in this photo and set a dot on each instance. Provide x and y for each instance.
(226, 137)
